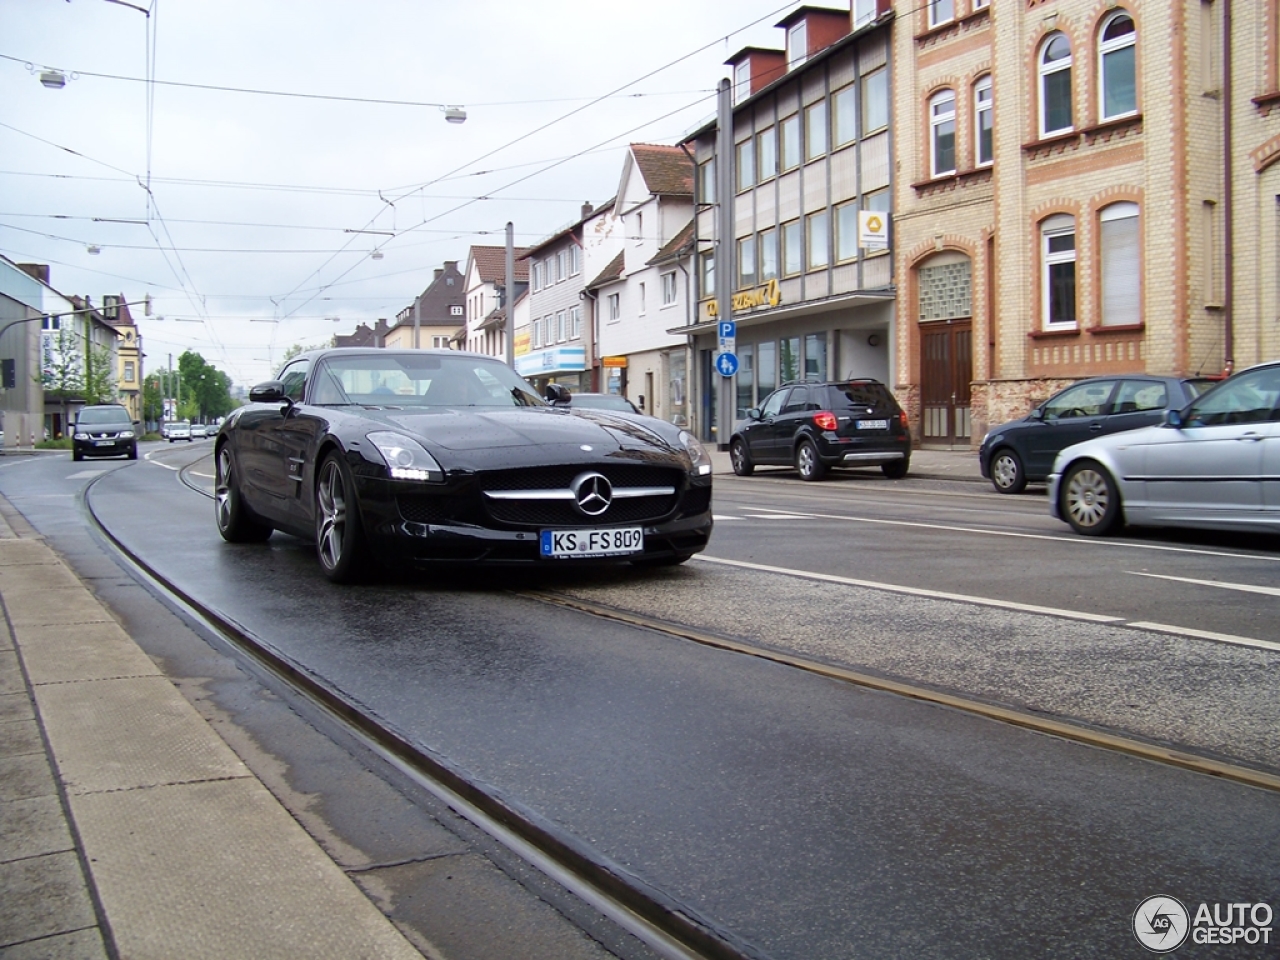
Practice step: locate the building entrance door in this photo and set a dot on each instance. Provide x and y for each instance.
(946, 370)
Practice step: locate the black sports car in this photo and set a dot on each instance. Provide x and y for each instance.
(422, 456)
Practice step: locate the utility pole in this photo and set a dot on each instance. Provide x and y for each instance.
(724, 261)
(510, 308)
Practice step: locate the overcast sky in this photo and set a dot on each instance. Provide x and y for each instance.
(247, 240)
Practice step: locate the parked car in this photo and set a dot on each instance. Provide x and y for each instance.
(1214, 464)
(818, 425)
(603, 401)
(441, 456)
(1023, 450)
(177, 430)
(104, 430)
(199, 431)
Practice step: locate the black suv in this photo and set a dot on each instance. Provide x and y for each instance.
(104, 430)
(815, 426)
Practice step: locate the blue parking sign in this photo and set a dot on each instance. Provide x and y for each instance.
(727, 364)
(728, 329)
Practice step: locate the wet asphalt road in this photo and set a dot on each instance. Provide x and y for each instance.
(806, 817)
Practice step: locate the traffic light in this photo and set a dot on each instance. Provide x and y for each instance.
(9, 374)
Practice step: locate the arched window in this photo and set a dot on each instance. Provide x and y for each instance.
(1058, 270)
(1121, 263)
(942, 133)
(983, 123)
(1117, 49)
(1055, 85)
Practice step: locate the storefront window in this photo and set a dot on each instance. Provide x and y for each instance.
(815, 356)
(766, 369)
(746, 379)
(789, 359)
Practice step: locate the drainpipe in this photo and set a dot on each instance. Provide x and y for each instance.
(1228, 198)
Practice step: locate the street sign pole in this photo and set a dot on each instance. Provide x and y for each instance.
(724, 261)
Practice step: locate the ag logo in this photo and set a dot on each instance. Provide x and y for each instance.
(875, 224)
(1161, 924)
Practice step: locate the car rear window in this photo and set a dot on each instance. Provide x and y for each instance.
(861, 393)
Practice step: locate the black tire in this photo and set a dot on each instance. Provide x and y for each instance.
(1089, 499)
(340, 543)
(740, 457)
(808, 464)
(896, 469)
(1007, 474)
(77, 455)
(133, 452)
(235, 523)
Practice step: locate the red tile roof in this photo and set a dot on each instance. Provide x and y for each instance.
(666, 170)
(491, 262)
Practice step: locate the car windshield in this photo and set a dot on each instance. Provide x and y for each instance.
(420, 380)
(98, 415)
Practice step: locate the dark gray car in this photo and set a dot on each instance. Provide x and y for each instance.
(1023, 450)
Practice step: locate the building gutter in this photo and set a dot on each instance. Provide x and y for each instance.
(1228, 198)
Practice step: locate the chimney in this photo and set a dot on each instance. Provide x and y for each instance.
(587, 209)
(436, 275)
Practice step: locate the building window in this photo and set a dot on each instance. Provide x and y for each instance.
(767, 153)
(537, 276)
(792, 249)
(639, 237)
(815, 356)
(742, 81)
(790, 128)
(440, 343)
(981, 4)
(456, 310)
(942, 133)
(1116, 51)
(815, 130)
(747, 276)
(535, 334)
(668, 289)
(707, 181)
(983, 123)
(864, 11)
(560, 274)
(640, 290)
(1055, 85)
(746, 164)
(128, 372)
(847, 231)
(1121, 265)
(575, 260)
(845, 121)
(819, 256)
(875, 101)
(615, 306)
(1058, 254)
(575, 323)
(768, 255)
(797, 44)
(941, 11)
(708, 273)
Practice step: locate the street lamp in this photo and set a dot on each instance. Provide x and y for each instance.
(455, 114)
(53, 79)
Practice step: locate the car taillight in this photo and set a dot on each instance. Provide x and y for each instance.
(902, 419)
(825, 420)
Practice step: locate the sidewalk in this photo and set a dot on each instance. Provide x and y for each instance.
(127, 826)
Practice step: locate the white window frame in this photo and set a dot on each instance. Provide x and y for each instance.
(669, 289)
(864, 11)
(983, 116)
(942, 123)
(562, 331)
(741, 81)
(767, 255)
(535, 333)
(745, 164)
(766, 170)
(941, 11)
(1109, 49)
(1120, 256)
(797, 44)
(790, 147)
(844, 104)
(847, 231)
(575, 323)
(575, 260)
(1049, 69)
(792, 254)
(817, 248)
(748, 272)
(614, 302)
(560, 271)
(1057, 226)
(817, 133)
(642, 298)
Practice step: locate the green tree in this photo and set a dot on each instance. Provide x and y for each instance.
(99, 376)
(61, 370)
(206, 390)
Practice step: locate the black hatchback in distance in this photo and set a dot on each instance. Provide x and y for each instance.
(815, 426)
(104, 430)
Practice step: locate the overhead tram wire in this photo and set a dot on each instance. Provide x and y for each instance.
(551, 123)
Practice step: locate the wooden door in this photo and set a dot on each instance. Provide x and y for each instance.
(946, 370)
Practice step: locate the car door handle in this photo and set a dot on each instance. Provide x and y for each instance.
(1095, 427)
(1250, 437)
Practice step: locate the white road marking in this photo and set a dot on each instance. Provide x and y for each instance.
(1072, 541)
(1205, 635)
(916, 591)
(1242, 587)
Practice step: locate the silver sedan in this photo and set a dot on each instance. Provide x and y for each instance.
(1214, 464)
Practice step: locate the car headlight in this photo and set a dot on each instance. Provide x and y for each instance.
(126, 434)
(81, 435)
(697, 453)
(406, 459)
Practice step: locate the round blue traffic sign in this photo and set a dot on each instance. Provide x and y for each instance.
(727, 364)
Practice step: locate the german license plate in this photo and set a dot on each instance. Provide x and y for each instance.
(614, 542)
(872, 424)
(103, 443)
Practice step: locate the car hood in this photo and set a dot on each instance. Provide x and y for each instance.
(462, 430)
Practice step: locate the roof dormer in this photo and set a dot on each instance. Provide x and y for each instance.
(811, 30)
(754, 68)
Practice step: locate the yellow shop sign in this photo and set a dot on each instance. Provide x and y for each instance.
(769, 295)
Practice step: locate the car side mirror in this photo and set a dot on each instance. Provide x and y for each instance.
(1173, 418)
(1037, 413)
(753, 413)
(557, 393)
(270, 392)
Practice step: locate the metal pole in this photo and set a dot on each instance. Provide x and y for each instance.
(724, 251)
(417, 320)
(509, 323)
